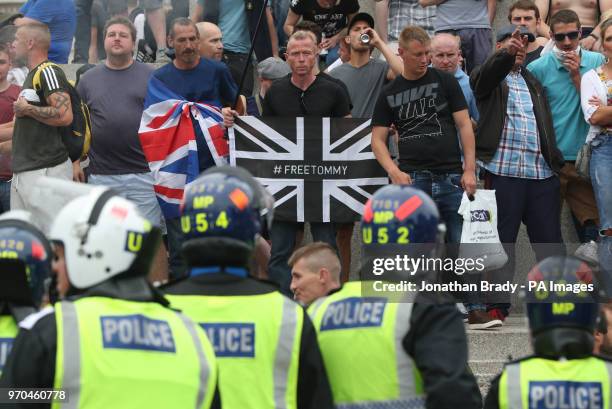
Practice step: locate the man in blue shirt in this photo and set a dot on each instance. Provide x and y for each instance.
(195, 79)
(445, 56)
(559, 72)
(60, 17)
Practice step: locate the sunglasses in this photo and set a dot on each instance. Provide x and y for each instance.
(572, 35)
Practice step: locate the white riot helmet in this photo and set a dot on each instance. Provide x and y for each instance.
(103, 236)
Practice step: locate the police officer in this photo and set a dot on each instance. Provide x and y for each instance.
(563, 372)
(112, 342)
(25, 263)
(385, 349)
(265, 343)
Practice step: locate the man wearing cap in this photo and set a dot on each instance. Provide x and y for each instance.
(365, 76)
(517, 148)
(268, 70)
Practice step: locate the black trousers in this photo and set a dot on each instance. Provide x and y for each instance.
(236, 62)
(537, 204)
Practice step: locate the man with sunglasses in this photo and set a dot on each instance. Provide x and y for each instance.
(559, 73)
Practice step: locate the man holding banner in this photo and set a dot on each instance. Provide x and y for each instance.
(302, 94)
(180, 131)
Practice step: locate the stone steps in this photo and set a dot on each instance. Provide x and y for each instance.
(489, 350)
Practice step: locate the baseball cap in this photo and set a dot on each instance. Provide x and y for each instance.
(273, 68)
(361, 17)
(507, 31)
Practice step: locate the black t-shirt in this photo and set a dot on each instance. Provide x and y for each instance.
(422, 113)
(330, 20)
(532, 56)
(323, 99)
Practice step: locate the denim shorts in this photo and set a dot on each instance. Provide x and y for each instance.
(137, 187)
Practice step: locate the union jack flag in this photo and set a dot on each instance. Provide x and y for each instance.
(318, 170)
(168, 141)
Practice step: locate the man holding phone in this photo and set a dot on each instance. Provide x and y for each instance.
(559, 72)
(519, 154)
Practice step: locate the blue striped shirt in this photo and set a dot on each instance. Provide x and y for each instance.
(518, 154)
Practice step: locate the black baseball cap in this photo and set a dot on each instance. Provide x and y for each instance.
(507, 31)
(361, 17)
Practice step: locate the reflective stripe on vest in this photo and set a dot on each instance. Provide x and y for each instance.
(257, 340)
(284, 352)
(112, 352)
(204, 371)
(541, 383)
(8, 332)
(348, 324)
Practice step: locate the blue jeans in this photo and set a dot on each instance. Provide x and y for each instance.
(176, 262)
(282, 236)
(280, 8)
(601, 170)
(446, 191)
(83, 31)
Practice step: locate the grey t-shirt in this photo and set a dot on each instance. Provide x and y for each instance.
(116, 100)
(458, 14)
(364, 85)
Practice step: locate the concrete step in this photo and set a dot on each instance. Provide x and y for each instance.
(490, 349)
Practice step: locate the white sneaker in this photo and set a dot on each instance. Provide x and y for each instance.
(588, 252)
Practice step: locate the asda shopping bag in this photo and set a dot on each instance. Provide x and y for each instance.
(479, 236)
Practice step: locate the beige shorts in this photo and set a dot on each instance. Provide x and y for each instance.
(23, 188)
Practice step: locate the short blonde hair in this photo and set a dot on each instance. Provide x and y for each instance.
(303, 35)
(318, 255)
(415, 33)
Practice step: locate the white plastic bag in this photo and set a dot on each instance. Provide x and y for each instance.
(479, 236)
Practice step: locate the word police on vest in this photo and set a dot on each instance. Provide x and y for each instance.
(354, 313)
(137, 332)
(231, 339)
(565, 395)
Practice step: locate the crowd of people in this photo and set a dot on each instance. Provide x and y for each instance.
(452, 112)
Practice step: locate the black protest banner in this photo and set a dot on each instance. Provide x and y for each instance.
(317, 169)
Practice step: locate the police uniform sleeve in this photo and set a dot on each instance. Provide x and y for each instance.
(31, 363)
(437, 343)
(492, 399)
(313, 386)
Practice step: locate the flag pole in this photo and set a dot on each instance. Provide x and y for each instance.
(246, 67)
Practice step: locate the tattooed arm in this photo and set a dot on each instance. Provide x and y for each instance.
(57, 113)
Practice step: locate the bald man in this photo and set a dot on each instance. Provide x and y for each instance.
(315, 271)
(446, 56)
(37, 146)
(211, 41)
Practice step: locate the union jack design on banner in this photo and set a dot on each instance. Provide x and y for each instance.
(318, 170)
(168, 141)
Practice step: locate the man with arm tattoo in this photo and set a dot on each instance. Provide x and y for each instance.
(37, 146)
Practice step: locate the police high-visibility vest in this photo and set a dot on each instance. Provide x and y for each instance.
(114, 353)
(361, 342)
(257, 342)
(8, 332)
(544, 383)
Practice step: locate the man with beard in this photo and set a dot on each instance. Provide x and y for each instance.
(192, 78)
(116, 157)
